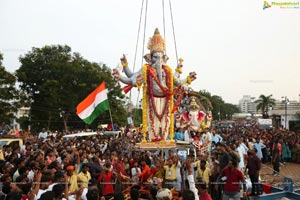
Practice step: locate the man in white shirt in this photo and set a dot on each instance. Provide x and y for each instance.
(190, 177)
(43, 186)
(178, 173)
(43, 134)
(216, 137)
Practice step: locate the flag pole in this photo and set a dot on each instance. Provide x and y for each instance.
(111, 118)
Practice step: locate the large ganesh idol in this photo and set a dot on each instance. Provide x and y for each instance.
(195, 118)
(159, 85)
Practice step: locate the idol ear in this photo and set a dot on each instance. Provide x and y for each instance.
(147, 58)
(165, 58)
(201, 115)
(185, 116)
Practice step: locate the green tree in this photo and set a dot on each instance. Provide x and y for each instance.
(217, 110)
(220, 109)
(264, 102)
(205, 99)
(228, 110)
(137, 116)
(8, 94)
(55, 80)
(297, 125)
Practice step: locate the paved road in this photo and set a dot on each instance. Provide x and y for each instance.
(290, 170)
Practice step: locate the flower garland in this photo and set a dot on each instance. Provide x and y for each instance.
(171, 103)
(170, 100)
(150, 77)
(151, 95)
(149, 107)
(145, 126)
(166, 124)
(178, 101)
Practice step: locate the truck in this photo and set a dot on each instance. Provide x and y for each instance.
(264, 123)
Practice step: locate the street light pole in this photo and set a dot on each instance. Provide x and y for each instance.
(285, 114)
(286, 101)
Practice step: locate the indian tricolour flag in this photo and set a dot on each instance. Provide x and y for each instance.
(93, 105)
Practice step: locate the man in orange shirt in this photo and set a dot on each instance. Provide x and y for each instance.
(146, 172)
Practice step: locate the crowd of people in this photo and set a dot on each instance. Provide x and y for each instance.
(49, 166)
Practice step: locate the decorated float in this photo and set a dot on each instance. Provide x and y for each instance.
(165, 94)
(168, 104)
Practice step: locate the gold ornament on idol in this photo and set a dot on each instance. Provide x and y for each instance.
(156, 42)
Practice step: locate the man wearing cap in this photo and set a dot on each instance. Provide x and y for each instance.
(72, 175)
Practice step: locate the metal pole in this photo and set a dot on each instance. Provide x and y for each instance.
(111, 119)
(285, 113)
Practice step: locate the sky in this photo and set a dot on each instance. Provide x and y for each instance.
(235, 47)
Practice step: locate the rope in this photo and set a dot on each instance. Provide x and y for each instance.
(144, 30)
(137, 41)
(146, 9)
(164, 23)
(173, 32)
(138, 35)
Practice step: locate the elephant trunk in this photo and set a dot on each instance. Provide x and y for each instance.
(159, 74)
(195, 122)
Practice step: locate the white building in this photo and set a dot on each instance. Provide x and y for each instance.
(247, 104)
(22, 112)
(285, 112)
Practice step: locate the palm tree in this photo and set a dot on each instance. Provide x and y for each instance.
(264, 102)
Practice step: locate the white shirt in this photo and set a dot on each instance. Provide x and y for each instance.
(30, 175)
(84, 192)
(43, 135)
(50, 187)
(135, 171)
(193, 188)
(39, 194)
(216, 138)
(16, 175)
